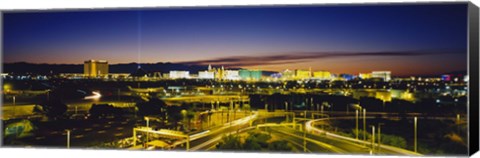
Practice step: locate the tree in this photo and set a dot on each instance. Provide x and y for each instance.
(229, 142)
(53, 108)
(256, 141)
(103, 110)
(154, 107)
(280, 145)
(174, 115)
(252, 144)
(394, 141)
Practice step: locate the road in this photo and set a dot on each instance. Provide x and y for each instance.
(209, 139)
(385, 149)
(316, 143)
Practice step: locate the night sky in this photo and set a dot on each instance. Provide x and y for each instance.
(405, 39)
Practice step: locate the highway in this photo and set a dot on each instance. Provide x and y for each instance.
(318, 144)
(317, 141)
(385, 149)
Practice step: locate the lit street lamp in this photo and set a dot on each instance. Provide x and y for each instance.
(415, 133)
(373, 139)
(14, 107)
(364, 124)
(379, 135)
(148, 120)
(305, 134)
(68, 139)
(356, 124)
(211, 102)
(286, 110)
(48, 95)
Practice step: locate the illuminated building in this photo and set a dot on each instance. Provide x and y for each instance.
(139, 73)
(322, 75)
(232, 75)
(347, 76)
(288, 75)
(446, 78)
(206, 75)
(179, 74)
(219, 73)
(250, 74)
(385, 75)
(4, 75)
(365, 75)
(302, 74)
(276, 75)
(95, 68)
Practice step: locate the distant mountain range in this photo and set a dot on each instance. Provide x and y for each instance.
(42, 69)
(23, 68)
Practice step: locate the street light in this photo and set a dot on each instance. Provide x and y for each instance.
(147, 119)
(373, 138)
(68, 139)
(48, 95)
(415, 133)
(211, 102)
(379, 135)
(458, 118)
(356, 124)
(304, 133)
(286, 110)
(364, 124)
(14, 107)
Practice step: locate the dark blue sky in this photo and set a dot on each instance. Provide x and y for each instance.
(406, 39)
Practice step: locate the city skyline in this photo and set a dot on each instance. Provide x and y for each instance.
(407, 40)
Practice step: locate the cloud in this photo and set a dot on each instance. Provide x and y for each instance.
(293, 57)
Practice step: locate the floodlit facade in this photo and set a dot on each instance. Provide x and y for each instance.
(288, 74)
(178, 74)
(219, 73)
(95, 68)
(322, 75)
(206, 75)
(385, 75)
(232, 75)
(250, 74)
(302, 74)
(365, 75)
